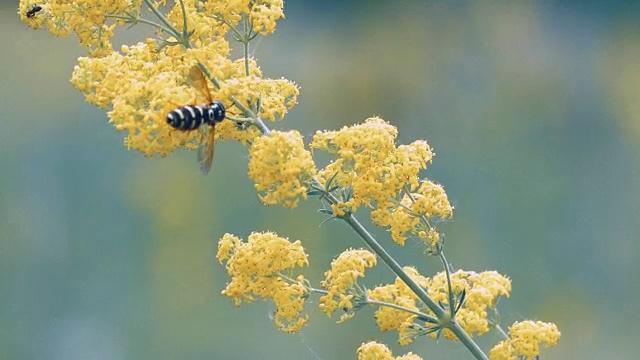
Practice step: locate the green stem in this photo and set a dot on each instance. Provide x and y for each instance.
(239, 120)
(399, 203)
(444, 318)
(260, 124)
(445, 264)
(422, 315)
(206, 72)
(311, 289)
(165, 21)
(245, 43)
(501, 331)
(140, 20)
(185, 33)
(373, 244)
(422, 217)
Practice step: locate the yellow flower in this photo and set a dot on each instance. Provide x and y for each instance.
(399, 219)
(376, 351)
(93, 21)
(431, 201)
(140, 85)
(482, 293)
(525, 339)
(262, 14)
(341, 280)
(205, 28)
(277, 96)
(398, 293)
(281, 167)
(256, 268)
(372, 171)
(389, 318)
(407, 218)
(363, 152)
(138, 88)
(86, 18)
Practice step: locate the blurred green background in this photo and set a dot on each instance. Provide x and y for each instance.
(532, 108)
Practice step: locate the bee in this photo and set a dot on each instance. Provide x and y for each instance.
(32, 12)
(191, 117)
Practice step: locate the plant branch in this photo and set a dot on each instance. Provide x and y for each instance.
(164, 20)
(423, 316)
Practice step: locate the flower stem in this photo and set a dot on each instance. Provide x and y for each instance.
(136, 20)
(419, 291)
(445, 264)
(501, 331)
(447, 271)
(185, 33)
(245, 42)
(422, 315)
(165, 21)
(310, 288)
(443, 317)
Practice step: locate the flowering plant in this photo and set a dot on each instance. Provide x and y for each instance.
(370, 174)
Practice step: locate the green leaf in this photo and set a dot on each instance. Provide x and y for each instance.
(425, 319)
(334, 188)
(461, 301)
(328, 183)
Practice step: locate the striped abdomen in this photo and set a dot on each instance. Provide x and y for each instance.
(193, 116)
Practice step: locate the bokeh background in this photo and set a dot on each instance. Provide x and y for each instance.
(533, 109)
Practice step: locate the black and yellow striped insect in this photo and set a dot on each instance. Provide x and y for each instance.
(32, 12)
(192, 117)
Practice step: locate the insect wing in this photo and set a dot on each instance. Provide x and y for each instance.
(205, 151)
(199, 82)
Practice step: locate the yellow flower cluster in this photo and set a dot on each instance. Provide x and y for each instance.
(377, 173)
(398, 293)
(482, 292)
(525, 339)
(205, 28)
(407, 217)
(93, 21)
(341, 280)
(263, 14)
(281, 168)
(277, 96)
(137, 88)
(257, 267)
(375, 351)
(362, 162)
(142, 84)
(86, 18)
